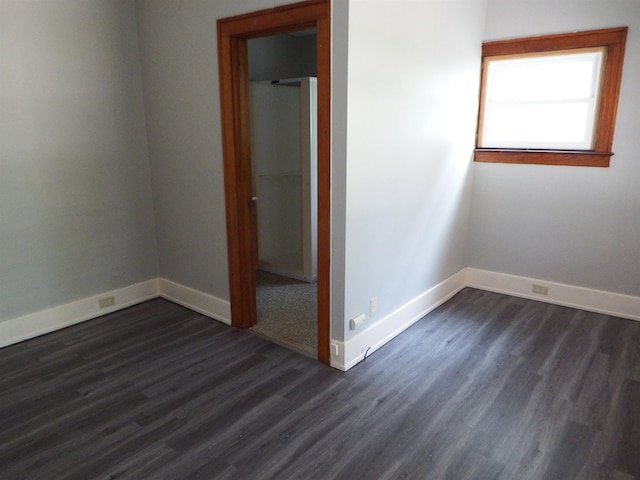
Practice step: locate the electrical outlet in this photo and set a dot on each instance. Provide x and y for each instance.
(373, 306)
(540, 289)
(107, 301)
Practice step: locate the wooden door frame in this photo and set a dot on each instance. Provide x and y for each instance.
(233, 34)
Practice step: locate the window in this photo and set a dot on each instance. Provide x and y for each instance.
(551, 99)
(541, 101)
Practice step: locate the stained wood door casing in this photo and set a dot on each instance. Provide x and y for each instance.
(233, 34)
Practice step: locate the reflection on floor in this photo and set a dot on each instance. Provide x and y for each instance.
(287, 312)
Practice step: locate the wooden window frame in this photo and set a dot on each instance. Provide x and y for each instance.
(613, 40)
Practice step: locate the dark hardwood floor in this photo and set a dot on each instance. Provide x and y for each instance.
(485, 387)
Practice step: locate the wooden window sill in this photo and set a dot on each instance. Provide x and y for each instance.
(576, 158)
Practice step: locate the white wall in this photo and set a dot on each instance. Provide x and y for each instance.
(412, 104)
(573, 225)
(76, 215)
(339, 102)
(180, 77)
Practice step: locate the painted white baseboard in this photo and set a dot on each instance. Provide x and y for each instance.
(381, 332)
(348, 353)
(196, 300)
(618, 305)
(35, 324)
(352, 352)
(45, 321)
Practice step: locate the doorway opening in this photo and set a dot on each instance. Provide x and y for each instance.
(284, 177)
(241, 203)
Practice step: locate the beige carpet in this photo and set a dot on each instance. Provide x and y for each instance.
(287, 312)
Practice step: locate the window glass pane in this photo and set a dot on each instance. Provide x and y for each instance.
(559, 125)
(557, 77)
(541, 101)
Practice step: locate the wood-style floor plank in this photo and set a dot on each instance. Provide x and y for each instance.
(485, 387)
